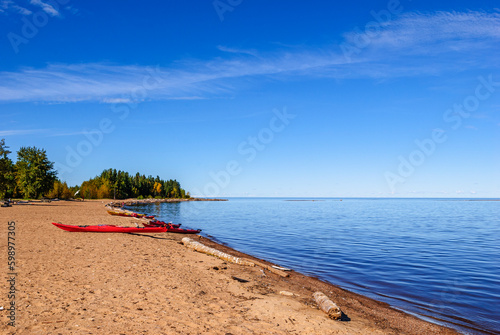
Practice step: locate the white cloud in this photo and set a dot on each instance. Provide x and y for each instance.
(434, 33)
(74, 133)
(24, 11)
(11, 6)
(115, 100)
(4, 4)
(52, 8)
(16, 132)
(45, 132)
(186, 98)
(45, 7)
(250, 52)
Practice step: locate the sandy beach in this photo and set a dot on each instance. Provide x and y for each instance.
(91, 283)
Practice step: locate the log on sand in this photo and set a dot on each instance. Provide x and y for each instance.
(327, 306)
(190, 243)
(214, 252)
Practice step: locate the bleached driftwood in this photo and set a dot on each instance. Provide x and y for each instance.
(288, 294)
(190, 243)
(327, 306)
(270, 268)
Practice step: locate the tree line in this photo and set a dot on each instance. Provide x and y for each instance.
(118, 184)
(33, 176)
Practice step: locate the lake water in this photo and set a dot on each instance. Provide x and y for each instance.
(436, 258)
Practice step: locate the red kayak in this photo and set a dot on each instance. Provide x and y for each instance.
(182, 231)
(171, 228)
(110, 229)
(156, 223)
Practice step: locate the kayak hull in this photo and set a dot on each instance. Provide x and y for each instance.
(110, 229)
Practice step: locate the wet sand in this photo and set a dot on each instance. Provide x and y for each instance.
(97, 283)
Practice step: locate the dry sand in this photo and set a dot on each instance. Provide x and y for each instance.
(91, 283)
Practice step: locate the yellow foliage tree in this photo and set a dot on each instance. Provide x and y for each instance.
(157, 188)
(104, 192)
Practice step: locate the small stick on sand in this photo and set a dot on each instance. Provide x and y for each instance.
(241, 280)
(270, 268)
(327, 306)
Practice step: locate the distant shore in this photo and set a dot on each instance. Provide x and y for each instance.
(133, 202)
(84, 283)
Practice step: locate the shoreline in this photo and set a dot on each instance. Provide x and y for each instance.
(134, 202)
(80, 283)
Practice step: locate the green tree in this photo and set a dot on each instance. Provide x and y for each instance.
(7, 171)
(35, 173)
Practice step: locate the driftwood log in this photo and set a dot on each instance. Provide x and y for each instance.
(326, 305)
(214, 252)
(288, 294)
(190, 243)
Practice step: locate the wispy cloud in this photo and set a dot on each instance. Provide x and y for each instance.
(187, 98)
(429, 33)
(405, 47)
(47, 132)
(16, 132)
(22, 10)
(53, 133)
(118, 83)
(471, 127)
(250, 52)
(52, 8)
(116, 100)
(4, 4)
(45, 7)
(8, 5)
(131, 100)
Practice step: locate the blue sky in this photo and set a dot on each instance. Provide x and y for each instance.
(260, 98)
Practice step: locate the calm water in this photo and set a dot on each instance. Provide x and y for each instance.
(437, 258)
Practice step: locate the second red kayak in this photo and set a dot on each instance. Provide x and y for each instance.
(156, 223)
(182, 231)
(171, 228)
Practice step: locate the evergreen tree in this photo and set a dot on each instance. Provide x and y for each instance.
(7, 171)
(35, 173)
